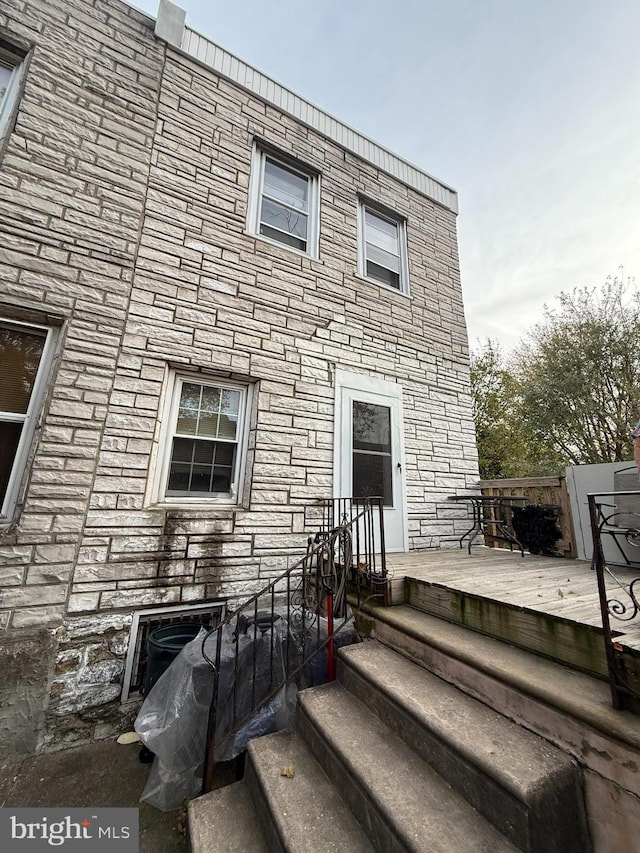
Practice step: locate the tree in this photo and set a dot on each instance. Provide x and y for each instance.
(504, 441)
(579, 375)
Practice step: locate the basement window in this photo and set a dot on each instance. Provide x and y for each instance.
(145, 621)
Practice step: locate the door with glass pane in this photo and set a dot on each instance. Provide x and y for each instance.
(369, 446)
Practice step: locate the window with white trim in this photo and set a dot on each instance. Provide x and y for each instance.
(283, 204)
(11, 67)
(205, 442)
(383, 248)
(25, 355)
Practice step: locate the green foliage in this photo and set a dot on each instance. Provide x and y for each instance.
(580, 375)
(504, 442)
(569, 394)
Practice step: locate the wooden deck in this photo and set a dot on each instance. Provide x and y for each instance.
(560, 587)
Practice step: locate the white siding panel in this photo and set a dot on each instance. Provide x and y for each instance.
(234, 69)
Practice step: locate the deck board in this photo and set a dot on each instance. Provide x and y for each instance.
(560, 587)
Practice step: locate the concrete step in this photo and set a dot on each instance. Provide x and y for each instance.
(299, 809)
(224, 821)
(570, 709)
(402, 803)
(285, 804)
(527, 688)
(529, 790)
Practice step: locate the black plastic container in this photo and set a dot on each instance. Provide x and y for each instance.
(163, 646)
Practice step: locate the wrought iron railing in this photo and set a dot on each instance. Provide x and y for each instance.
(364, 517)
(611, 518)
(276, 642)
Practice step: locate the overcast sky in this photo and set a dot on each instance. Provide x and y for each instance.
(530, 109)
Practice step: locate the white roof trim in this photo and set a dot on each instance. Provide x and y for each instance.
(227, 65)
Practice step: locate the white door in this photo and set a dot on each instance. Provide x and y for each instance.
(369, 449)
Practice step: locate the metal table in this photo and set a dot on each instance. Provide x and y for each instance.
(491, 517)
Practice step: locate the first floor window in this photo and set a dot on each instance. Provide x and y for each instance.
(383, 248)
(284, 203)
(24, 356)
(206, 440)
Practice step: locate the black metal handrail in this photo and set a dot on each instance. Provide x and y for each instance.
(607, 519)
(365, 519)
(276, 636)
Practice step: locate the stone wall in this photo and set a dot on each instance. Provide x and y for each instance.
(73, 181)
(126, 225)
(209, 296)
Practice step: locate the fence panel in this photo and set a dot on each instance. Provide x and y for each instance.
(539, 490)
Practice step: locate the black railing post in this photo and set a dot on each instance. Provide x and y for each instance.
(209, 758)
(598, 565)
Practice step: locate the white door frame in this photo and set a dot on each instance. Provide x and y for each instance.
(349, 387)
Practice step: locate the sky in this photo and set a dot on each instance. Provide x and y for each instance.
(529, 109)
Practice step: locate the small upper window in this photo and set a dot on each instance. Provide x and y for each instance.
(284, 203)
(11, 65)
(383, 248)
(206, 441)
(25, 356)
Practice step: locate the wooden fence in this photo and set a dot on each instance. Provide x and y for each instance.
(539, 490)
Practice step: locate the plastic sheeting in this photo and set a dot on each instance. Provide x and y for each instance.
(173, 720)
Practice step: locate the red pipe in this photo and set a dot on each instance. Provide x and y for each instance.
(331, 661)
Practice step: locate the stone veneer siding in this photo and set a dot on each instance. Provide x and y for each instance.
(124, 200)
(73, 181)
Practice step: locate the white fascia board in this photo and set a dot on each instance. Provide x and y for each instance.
(212, 56)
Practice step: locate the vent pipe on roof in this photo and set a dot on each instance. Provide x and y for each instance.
(170, 22)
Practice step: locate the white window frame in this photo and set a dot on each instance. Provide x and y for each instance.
(365, 206)
(15, 62)
(29, 419)
(256, 193)
(168, 431)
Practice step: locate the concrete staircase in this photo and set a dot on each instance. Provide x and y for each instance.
(424, 743)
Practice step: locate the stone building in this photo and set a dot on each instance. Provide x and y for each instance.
(202, 278)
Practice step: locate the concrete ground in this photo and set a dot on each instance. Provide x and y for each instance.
(100, 775)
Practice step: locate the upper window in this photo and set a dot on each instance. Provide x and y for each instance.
(10, 72)
(284, 203)
(206, 440)
(25, 357)
(383, 248)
